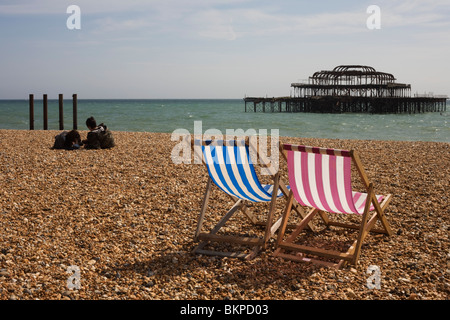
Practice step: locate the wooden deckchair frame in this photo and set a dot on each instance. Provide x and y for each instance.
(288, 249)
(257, 243)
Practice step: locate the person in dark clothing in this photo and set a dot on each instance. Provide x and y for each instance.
(98, 137)
(69, 140)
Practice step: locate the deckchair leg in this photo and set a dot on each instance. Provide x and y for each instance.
(380, 213)
(239, 255)
(217, 227)
(286, 216)
(248, 214)
(269, 232)
(203, 210)
(312, 213)
(302, 225)
(324, 217)
(244, 209)
(295, 205)
(367, 226)
(363, 230)
(226, 217)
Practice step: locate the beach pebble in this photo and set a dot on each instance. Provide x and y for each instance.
(4, 273)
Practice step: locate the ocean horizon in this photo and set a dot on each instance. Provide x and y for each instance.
(168, 115)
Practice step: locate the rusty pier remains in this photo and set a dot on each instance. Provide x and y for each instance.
(350, 88)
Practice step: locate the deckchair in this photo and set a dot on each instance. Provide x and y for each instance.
(321, 179)
(230, 168)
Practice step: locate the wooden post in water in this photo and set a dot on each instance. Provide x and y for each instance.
(61, 112)
(31, 111)
(75, 122)
(45, 112)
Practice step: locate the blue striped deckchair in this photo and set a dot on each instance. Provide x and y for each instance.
(230, 168)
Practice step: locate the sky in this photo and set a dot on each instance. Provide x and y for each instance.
(214, 49)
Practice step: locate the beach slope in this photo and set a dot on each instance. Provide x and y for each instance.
(126, 218)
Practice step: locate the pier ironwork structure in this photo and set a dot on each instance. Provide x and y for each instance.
(350, 88)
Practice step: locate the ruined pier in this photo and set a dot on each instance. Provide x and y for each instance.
(350, 88)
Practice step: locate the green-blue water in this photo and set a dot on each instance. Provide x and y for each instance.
(169, 115)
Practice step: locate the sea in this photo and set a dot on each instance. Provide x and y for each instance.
(226, 115)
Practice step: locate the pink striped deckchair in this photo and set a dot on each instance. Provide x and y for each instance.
(321, 179)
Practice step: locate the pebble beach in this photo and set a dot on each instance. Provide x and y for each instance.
(126, 218)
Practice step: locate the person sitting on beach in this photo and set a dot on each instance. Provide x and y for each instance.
(98, 137)
(68, 140)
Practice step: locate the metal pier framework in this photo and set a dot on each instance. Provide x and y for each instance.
(349, 88)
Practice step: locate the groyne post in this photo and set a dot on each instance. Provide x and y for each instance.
(31, 112)
(61, 112)
(75, 111)
(45, 112)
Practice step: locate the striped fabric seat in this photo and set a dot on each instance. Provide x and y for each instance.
(321, 178)
(231, 169)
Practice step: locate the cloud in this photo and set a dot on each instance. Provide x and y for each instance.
(423, 13)
(219, 32)
(212, 24)
(250, 22)
(234, 19)
(32, 7)
(109, 24)
(29, 7)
